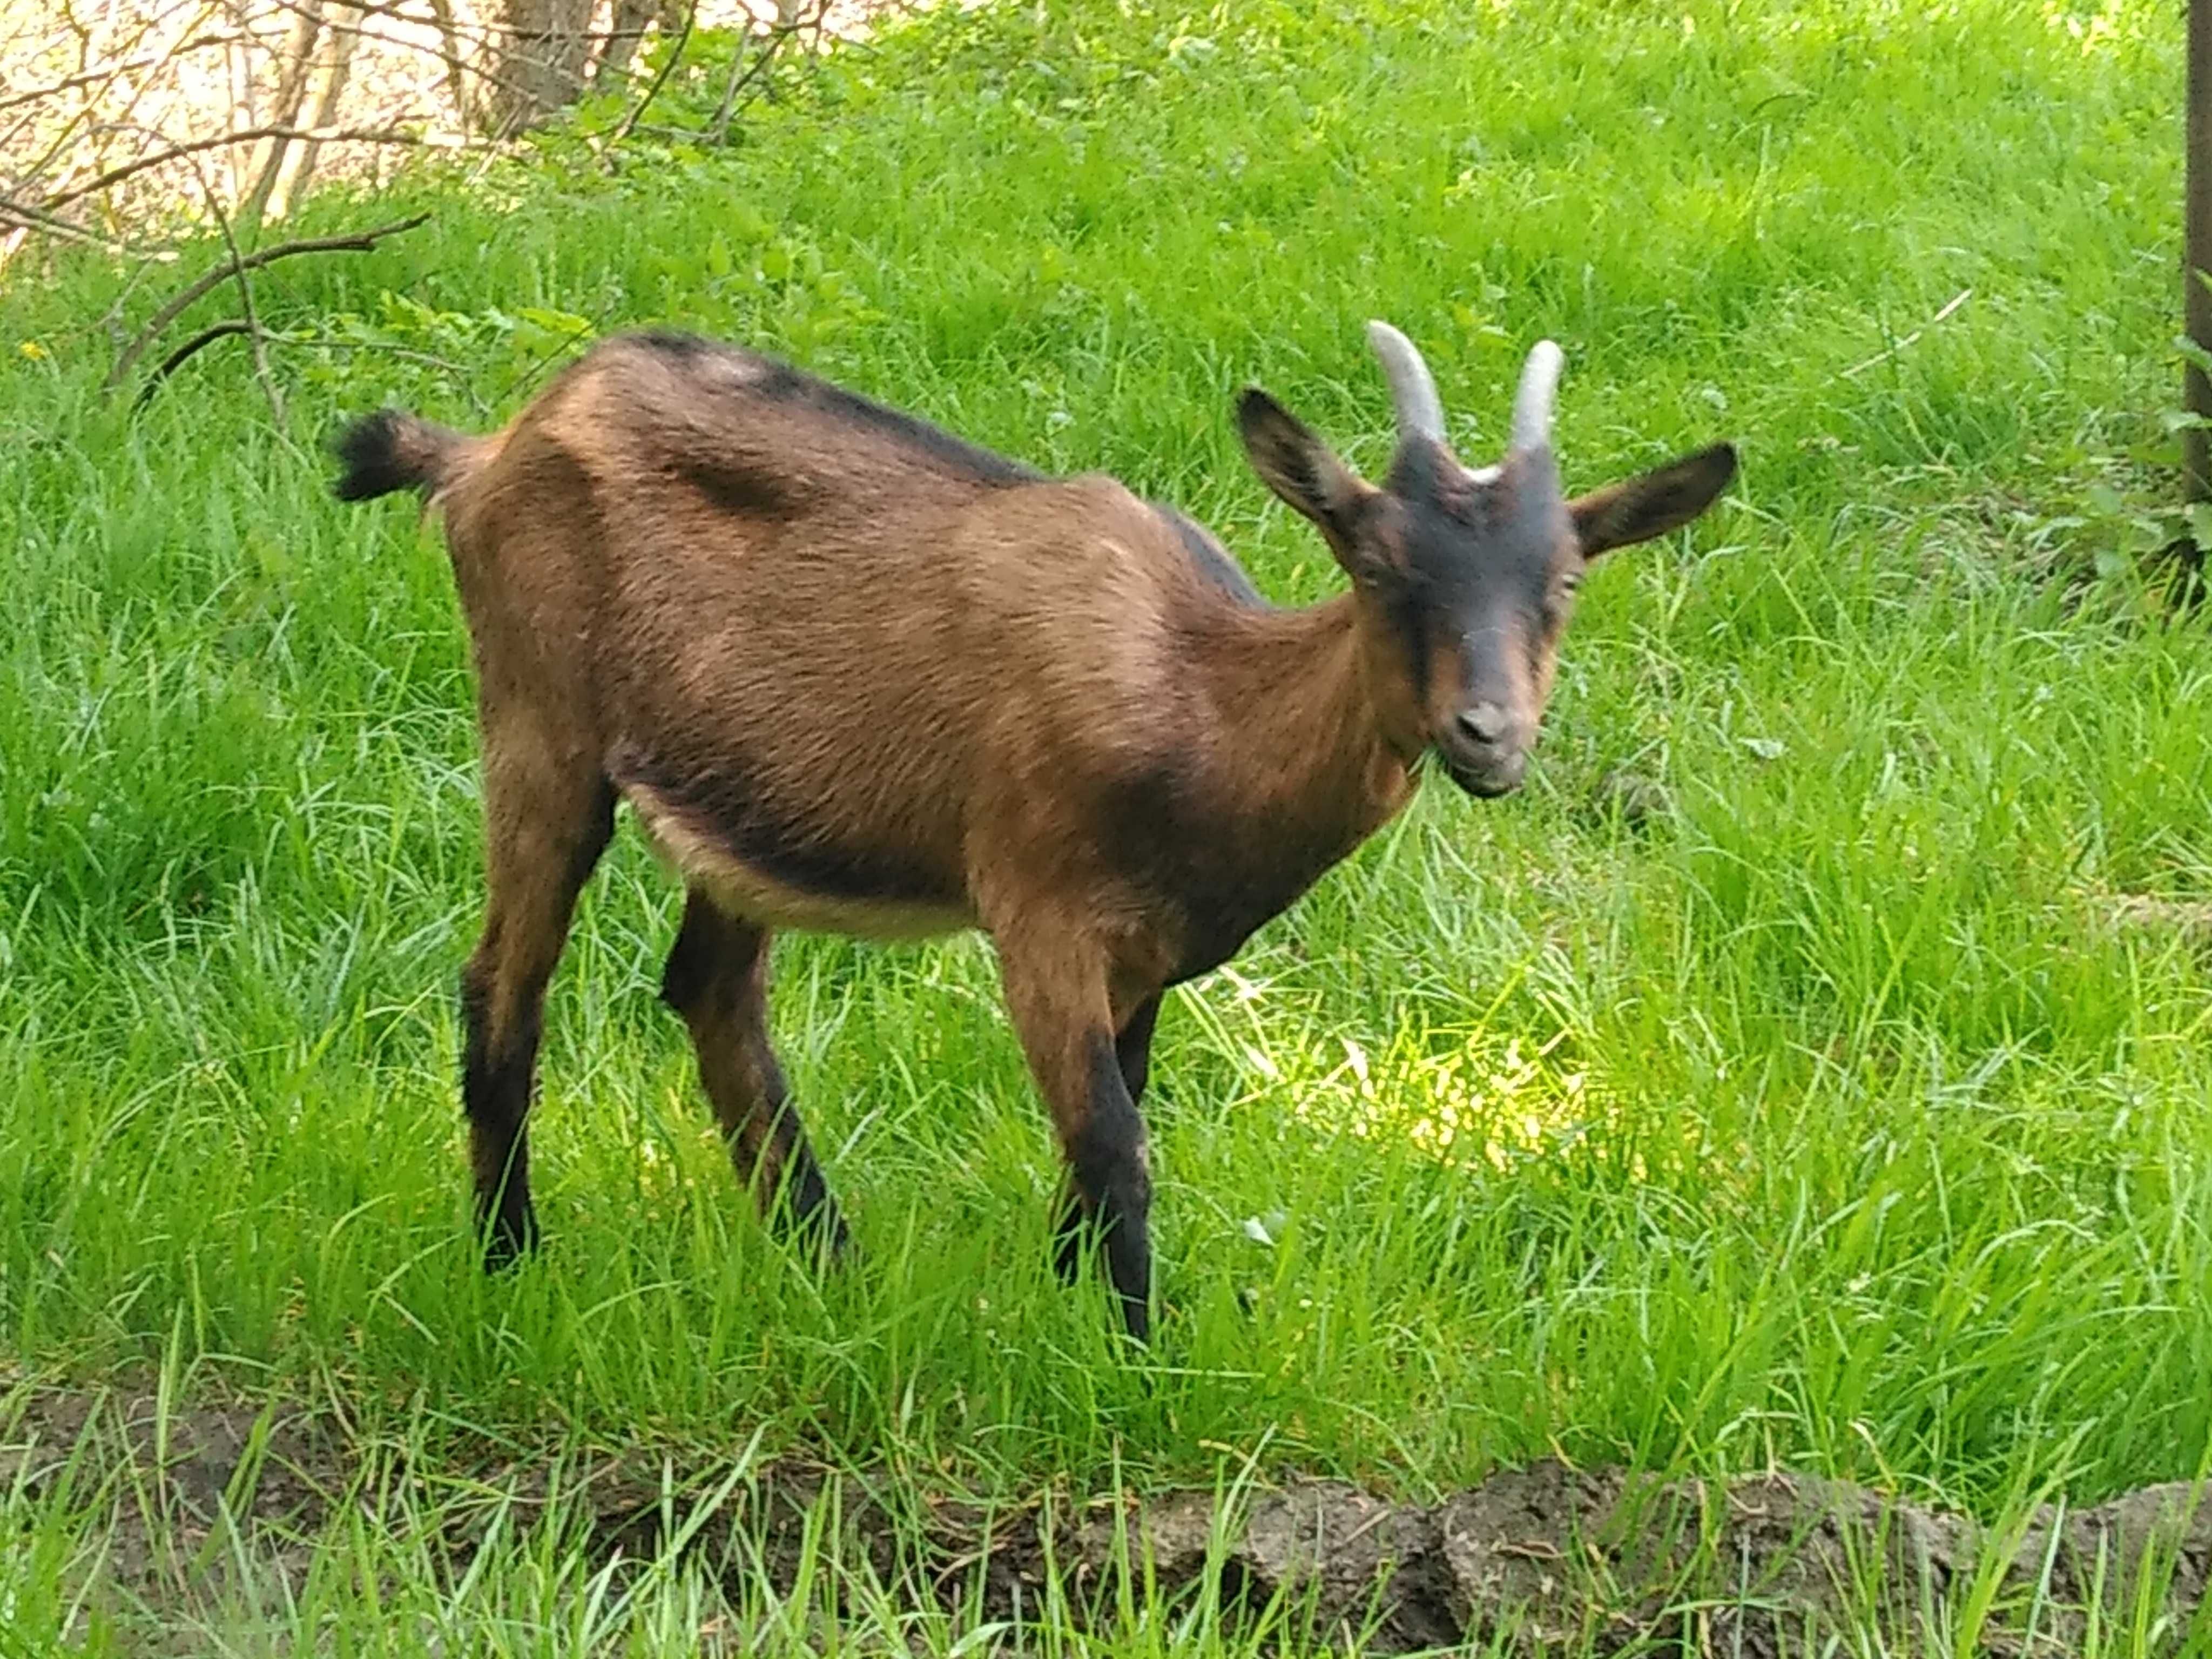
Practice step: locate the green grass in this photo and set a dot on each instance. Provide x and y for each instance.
(1827, 1119)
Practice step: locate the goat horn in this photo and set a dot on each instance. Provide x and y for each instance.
(1539, 385)
(1412, 388)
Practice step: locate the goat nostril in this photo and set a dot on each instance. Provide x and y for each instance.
(1484, 723)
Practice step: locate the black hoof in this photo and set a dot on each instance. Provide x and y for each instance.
(823, 1239)
(1137, 1319)
(509, 1238)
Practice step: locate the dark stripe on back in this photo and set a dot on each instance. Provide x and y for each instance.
(1211, 558)
(779, 381)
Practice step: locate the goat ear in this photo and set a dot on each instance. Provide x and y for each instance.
(1636, 510)
(1299, 467)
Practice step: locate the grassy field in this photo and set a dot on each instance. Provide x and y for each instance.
(1832, 1114)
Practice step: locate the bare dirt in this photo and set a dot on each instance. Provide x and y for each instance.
(208, 1502)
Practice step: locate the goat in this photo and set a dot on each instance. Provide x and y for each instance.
(853, 674)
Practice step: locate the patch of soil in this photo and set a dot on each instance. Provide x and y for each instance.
(208, 1500)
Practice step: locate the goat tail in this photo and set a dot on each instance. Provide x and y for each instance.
(394, 450)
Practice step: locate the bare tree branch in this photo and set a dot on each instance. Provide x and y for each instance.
(31, 219)
(107, 72)
(239, 269)
(359, 241)
(232, 325)
(740, 77)
(761, 62)
(244, 135)
(206, 336)
(60, 138)
(118, 95)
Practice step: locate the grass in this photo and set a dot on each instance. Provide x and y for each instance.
(1826, 1118)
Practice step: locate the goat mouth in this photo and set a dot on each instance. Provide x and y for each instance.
(1482, 782)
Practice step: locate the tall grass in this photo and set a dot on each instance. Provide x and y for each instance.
(1827, 1115)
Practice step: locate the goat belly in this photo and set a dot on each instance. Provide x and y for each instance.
(790, 881)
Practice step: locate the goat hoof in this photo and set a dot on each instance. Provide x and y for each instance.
(825, 1243)
(509, 1241)
(1137, 1319)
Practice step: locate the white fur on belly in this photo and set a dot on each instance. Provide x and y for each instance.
(743, 890)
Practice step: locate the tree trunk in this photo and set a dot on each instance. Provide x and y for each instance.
(2197, 237)
(467, 106)
(624, 31)
(321, 110)
(541, 58)
(298, 62)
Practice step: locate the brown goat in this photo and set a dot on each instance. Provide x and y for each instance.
(853, 674)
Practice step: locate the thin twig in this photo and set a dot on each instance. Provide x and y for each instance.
(106, 73)
(720, 125)
(32, 219)
(1957, 300)
(761, 61)
(231, 325)
(206, 336)
(62, 137)
(111, 321)
(544, 361)
(674, 135)
(383, 347)
(109, 72)
(660, 78)
(242, 135)
(239, 268)
(357, 241)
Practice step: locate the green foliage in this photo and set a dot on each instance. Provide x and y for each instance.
(1830, 1113)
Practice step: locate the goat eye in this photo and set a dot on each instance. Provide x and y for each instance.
(1560, 600)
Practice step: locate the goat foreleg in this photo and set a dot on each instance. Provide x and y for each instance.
(1056, 992)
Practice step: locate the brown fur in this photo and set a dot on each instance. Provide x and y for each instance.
(851, 674)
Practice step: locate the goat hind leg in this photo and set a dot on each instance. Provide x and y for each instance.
(717, 979)
(544, 835)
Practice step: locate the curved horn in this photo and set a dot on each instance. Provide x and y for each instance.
(1539, 385)
(1412, 388)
